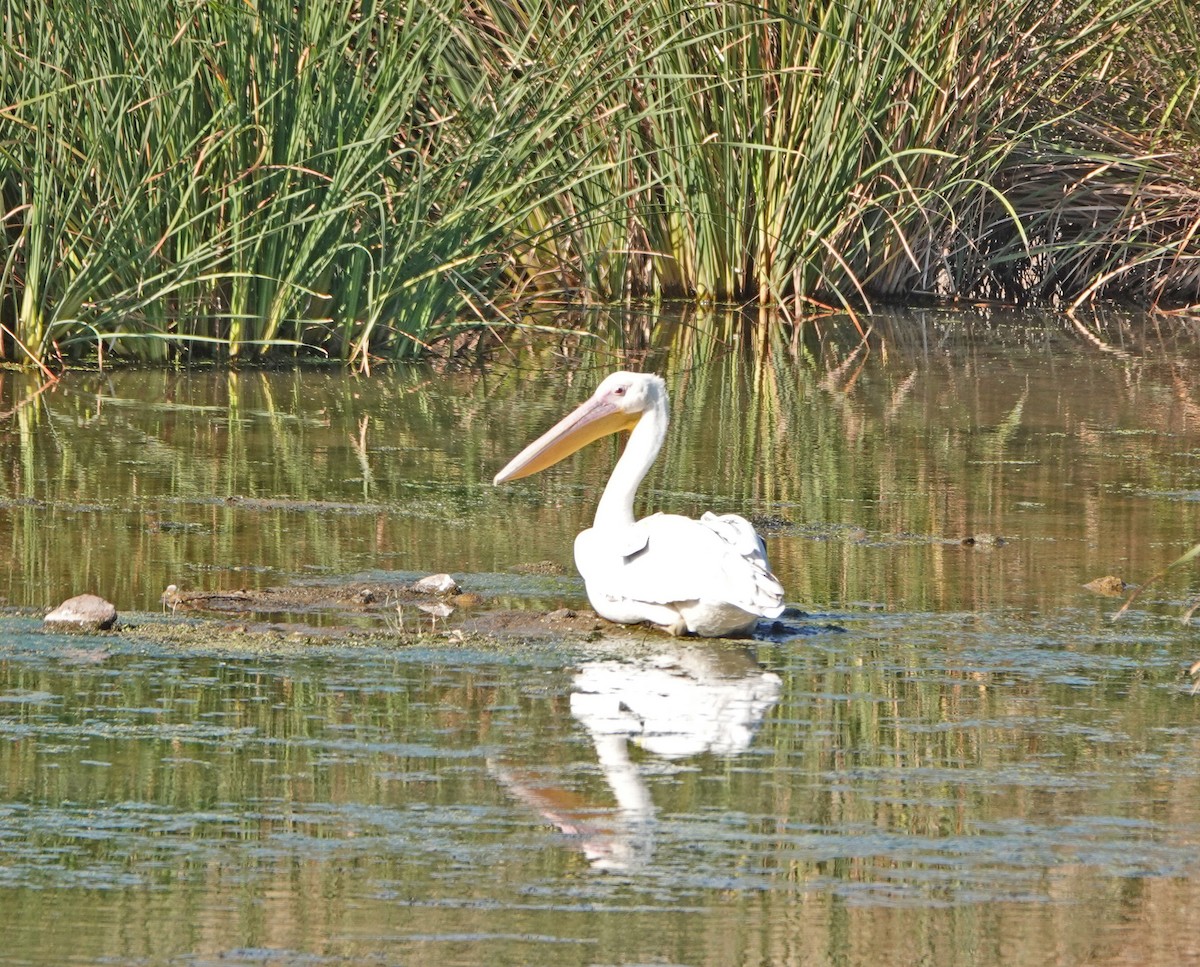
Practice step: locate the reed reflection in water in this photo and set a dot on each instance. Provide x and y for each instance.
(955, 758)
(866, 465)
(964, 789)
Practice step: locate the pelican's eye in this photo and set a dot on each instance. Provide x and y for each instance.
(619, 391)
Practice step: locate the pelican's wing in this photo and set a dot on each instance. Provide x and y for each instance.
(741, 536)
(667, 558)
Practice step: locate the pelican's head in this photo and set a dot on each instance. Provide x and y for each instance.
(618, 404)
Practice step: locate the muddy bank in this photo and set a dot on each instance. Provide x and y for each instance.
(380, 612)
(392, 609)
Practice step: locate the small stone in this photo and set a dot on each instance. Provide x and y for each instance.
(436, 584)
(84, 612)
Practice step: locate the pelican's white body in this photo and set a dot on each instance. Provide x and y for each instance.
(706, 577)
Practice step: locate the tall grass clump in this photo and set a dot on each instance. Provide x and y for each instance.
(339, 176)
(875, 149)
(250, 175)
(362, 177)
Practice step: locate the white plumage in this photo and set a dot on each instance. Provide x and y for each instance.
(706, 577)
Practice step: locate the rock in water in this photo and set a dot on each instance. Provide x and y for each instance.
(436, 584)
(1109, 585)
(84, 612)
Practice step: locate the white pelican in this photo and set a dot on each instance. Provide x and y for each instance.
(705, 577)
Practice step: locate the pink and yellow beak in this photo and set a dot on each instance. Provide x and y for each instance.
(597, 417)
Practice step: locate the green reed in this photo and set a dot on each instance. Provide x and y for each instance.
(871, 149)
(362, 178)
(249, 176)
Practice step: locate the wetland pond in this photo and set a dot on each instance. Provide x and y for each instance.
(946, 753)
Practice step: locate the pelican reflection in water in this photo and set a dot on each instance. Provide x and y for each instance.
(706, 577)
(685, 701)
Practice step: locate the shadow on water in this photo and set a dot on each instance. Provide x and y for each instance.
(954, 757)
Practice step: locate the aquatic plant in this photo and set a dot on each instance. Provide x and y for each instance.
(363, 178)
(312, 177)
(876, 150)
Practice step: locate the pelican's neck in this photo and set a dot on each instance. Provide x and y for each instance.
(616, 503)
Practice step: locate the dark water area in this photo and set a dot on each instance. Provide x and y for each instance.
(953, 755)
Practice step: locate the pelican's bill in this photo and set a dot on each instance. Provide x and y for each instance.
(590, 421)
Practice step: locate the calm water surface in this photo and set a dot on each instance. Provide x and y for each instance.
(954, 757)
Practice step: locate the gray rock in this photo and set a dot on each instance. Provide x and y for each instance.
(84, 612)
